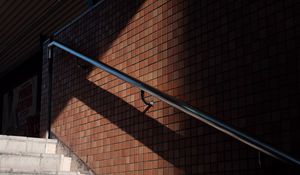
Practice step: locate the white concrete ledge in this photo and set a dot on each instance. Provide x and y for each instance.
(7, 171)
(17, 144)
(34, 162)
(8, 137)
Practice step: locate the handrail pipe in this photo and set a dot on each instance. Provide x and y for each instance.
(186, 108)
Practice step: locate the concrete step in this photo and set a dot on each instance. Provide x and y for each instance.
(34, 161)
(15, 144)
(38, 173)
(6, 171)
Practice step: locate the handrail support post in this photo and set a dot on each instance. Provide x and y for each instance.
(50, 67)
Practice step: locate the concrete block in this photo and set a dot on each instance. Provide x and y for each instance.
(6, 171)
(15, 144)
(34, 162)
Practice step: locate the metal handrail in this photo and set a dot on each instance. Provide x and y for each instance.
(186, 108)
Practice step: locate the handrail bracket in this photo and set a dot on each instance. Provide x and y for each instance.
(149, 104)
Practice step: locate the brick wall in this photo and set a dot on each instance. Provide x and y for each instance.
(236, 60)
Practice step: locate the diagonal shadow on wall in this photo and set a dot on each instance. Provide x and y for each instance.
(163, 141)
(168, 144)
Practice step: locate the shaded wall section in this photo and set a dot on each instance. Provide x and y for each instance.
(236, 60)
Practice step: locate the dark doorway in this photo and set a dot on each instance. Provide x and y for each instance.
(20, 93)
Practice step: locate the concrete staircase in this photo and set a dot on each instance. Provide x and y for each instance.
(24, 155)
